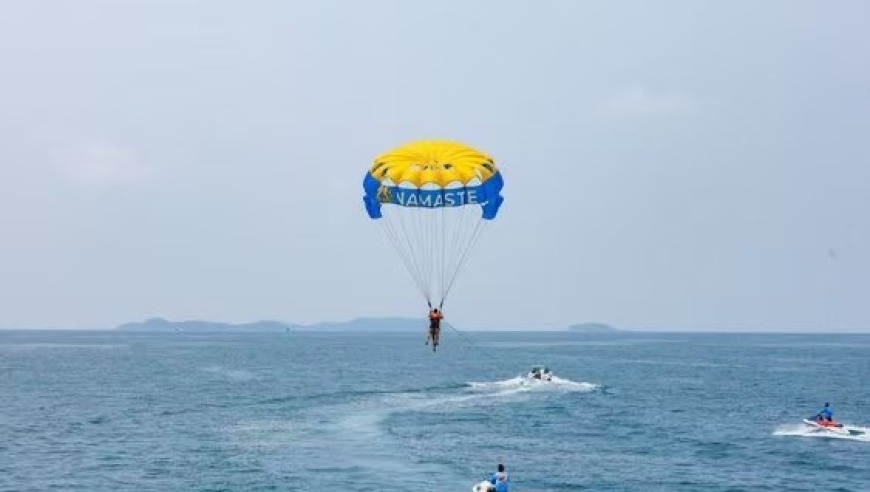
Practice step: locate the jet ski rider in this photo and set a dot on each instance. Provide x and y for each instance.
(826, 414)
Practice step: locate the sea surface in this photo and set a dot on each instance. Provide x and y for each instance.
(109, 411)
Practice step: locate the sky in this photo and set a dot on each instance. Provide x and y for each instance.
(672, 165)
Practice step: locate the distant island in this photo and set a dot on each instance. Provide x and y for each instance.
(592, 328)
(164, 325)
(354, 325)
(370, 325)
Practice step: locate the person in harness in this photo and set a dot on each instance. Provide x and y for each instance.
(435, 318)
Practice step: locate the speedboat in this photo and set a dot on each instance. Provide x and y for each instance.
(828, 426)
(541, 373)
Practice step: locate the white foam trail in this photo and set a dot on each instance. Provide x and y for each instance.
(355, 431)
(520, 383)
(803, 430)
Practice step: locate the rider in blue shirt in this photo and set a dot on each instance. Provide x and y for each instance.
(500, 480)
(826, 413)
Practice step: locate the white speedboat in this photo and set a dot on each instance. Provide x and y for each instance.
(540, 373)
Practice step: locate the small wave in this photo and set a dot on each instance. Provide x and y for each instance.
(38, 346)
(800, 430)
(338, 396)
(577, 343)
(265, 434)
(231, 374)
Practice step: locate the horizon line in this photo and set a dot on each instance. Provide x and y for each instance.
(742, 331)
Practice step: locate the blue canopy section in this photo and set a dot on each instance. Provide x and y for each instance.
(486, 195)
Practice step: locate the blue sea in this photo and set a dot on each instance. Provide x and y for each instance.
(109, 411)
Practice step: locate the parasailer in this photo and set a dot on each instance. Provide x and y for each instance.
(433, 199)
(435, 318)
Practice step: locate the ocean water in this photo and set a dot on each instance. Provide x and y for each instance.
(101, 411)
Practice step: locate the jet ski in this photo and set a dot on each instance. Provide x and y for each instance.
(540, 373)
(830, 426)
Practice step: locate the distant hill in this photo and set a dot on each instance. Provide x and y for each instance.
(358, 325)
(592, 328)
(164, 325)
(370, 325)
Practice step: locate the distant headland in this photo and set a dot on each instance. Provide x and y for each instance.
(164, 325)
(358, 324)
(592, 328)
(386, 324)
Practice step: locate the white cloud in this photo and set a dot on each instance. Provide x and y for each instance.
(101, 164)
(641, 102)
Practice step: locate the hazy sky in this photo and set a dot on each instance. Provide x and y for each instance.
(669, 165)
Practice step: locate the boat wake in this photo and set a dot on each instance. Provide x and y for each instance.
(523, 384)
(856, 433)
(353, 440)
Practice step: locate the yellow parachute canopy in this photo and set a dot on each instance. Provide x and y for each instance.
(433, 199)
(434, 164)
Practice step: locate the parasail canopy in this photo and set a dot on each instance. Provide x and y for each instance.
(434, 199)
